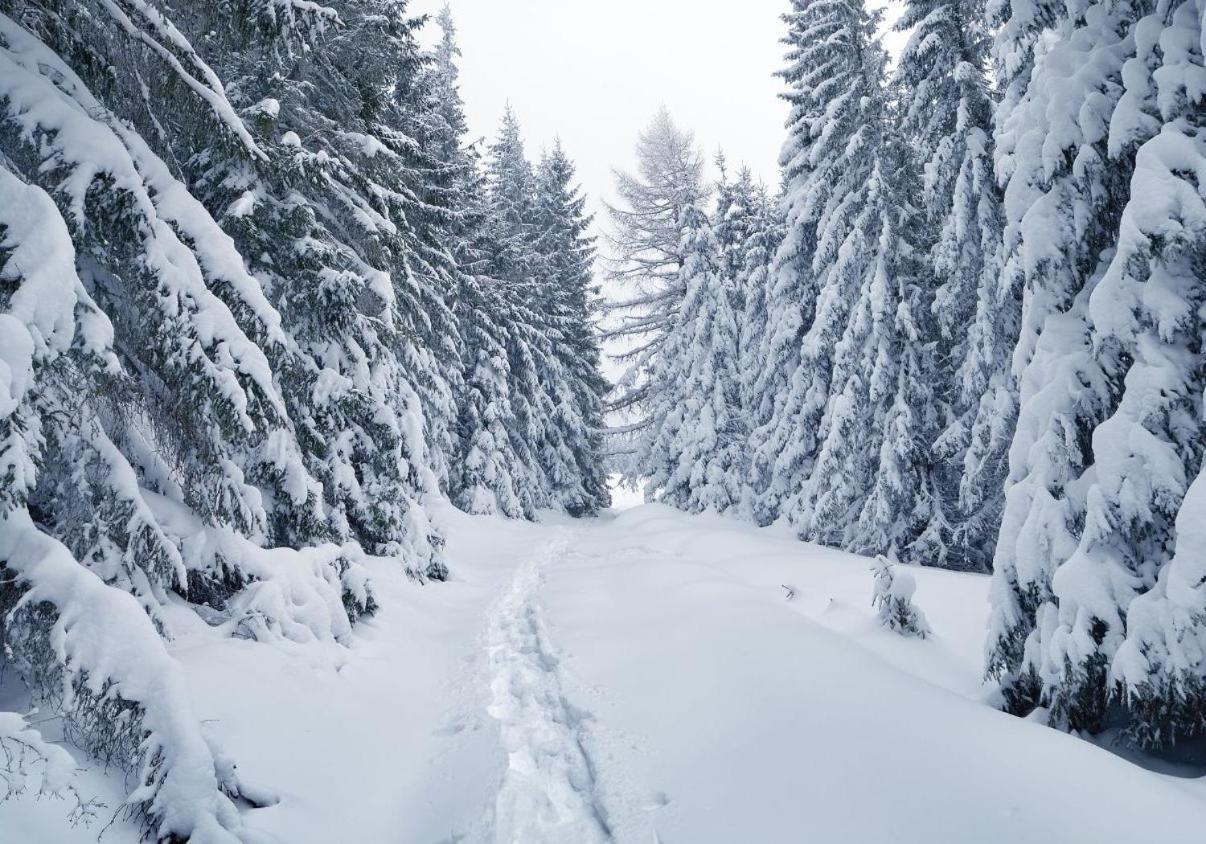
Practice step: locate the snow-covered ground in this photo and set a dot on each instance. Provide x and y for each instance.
(644, 677)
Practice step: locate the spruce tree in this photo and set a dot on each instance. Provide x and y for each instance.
(833, 75)
(902, 516)
(756, 354)
(1143, 508)
(694, 452)
(1062, 197)
(947, 118)
(513, 263)
(567, 253)
(489, 475)
(338, 231)
(155, 415)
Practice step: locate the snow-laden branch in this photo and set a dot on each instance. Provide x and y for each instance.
(107, 651)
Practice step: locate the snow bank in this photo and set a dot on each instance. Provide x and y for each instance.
(302, 595)
(108, 651)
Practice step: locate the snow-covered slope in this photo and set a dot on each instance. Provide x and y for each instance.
(646, 677)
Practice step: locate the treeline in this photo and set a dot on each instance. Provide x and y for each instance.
(968, 333)
(259, 297)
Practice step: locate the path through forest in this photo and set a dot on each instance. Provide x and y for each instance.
(644, 677)
(547, 792)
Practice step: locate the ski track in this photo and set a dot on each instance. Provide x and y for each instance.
(548, 790)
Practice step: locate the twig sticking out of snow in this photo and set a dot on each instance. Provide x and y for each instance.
(26, 757)
(893, 597)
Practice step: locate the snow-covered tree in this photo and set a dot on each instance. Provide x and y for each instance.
(947, 118)
(334, 227)
(756, 357)
(1141, 525)
(204, 422)
(139, 411)
(902, 514)
(538, 256)
(493, 469)
(1063, 195)
(694, 446)
(733, 220)
(893, 600)
(744, 225)
(834, 76)
(645, 286)
(489, 475)
(569, 298)
(512, 265)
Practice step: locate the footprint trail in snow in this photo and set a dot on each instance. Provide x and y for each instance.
(548, 790)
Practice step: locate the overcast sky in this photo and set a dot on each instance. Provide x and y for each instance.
(594, 72)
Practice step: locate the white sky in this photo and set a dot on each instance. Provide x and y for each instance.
(594, 71)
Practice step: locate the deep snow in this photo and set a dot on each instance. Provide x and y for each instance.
(643, 677)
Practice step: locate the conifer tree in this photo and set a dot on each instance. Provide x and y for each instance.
(902, 516)
(947, 118)
(489, 474)
(1142, 516)
(485, 472)
(733, 221)
(833, 74)
(340, 234)
(153, 413)
(1062, 197)
(566, 252)
(510, 224)
(644, 267)
(759, 346)
(694, 451)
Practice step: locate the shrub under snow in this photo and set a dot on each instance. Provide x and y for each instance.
(893, 597)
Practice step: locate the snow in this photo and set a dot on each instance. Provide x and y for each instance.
(54, 767)
(208, 87)
(85, 147)
(644, 677)
(105, 642)
(296, 595)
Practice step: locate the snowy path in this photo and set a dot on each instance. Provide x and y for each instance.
(642, 678)
(547, 792)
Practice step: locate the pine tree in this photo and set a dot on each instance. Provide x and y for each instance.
(646, 288)
(947, 117)
(1062, 198)
(695, 448)
(566, 251)
(1143, 507)
(833, 74)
